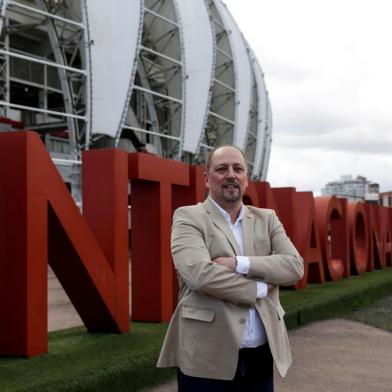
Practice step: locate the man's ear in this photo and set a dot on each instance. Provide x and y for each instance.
(206, 179)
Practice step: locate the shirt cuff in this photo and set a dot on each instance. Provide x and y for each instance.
(262, 289)
(243, 265)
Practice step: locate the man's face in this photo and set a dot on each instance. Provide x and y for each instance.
(227, 177)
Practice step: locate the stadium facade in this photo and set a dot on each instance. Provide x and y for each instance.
(173, 77)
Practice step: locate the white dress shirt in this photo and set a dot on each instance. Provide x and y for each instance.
(254, 332)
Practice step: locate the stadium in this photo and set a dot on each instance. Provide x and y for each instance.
(171, 77)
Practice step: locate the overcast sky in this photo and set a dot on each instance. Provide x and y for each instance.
(328, 70)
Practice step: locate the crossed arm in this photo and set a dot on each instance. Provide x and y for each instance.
(217, 277)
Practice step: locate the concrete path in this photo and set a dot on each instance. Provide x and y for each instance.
(333, 356)
(61, 313)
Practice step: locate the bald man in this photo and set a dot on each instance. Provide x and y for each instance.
(228, 327)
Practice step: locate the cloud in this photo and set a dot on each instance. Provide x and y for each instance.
(327, 67)
(310, 169)
(354, 139)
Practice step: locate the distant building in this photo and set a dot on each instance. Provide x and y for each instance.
(386, 199)
(355, 189)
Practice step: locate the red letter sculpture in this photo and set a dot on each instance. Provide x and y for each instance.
(153, 277)
(331, 223)
(40, 222)
(359, 241)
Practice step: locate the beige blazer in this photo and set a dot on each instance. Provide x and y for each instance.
(206, 329)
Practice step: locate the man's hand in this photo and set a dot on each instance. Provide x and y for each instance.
(228, 262)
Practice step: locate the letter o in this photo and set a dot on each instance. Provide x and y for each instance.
(358, 233)
(332, 227)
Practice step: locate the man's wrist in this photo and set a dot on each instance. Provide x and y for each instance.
(262, 289)
(242, 265)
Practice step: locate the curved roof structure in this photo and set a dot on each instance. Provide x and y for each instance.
(174, 77)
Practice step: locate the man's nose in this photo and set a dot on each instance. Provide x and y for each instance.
(230, 173)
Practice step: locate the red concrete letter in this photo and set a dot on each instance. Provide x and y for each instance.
(298, 217)
(251, 196)
(307, 240)
(153, 277)
(40, 222)
(265, 196)
(376, 257)
(386, 235)
(192, 194)
(358, 233)
(331, 223)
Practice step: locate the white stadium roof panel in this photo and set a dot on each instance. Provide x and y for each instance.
(115, 32)
(198, 46)
(261, 114)
(243, 76)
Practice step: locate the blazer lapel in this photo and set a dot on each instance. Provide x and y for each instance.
(219, 221)
(248, 223)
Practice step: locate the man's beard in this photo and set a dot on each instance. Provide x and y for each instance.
(227, 193)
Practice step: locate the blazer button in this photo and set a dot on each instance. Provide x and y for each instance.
(242, 321)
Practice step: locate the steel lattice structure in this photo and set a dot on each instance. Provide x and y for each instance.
(174, 77)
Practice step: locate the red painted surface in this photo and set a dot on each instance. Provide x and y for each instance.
(389, 260)
(386, 235)
(194, 193)
(105, 208)
(39, 223)
(251, 196)
(375, 257)
(359, 237)
(297, 214)
(284, 199)
(153, 278)
(266, 197)
(307, 240)
(333, 232)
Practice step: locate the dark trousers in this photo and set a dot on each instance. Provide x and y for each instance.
(254, 374)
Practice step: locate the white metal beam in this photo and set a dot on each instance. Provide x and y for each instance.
(33, 109)
(45, 14)
(40, 61)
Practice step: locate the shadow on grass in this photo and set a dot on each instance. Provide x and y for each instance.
(378, 314)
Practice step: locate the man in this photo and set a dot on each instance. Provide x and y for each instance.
(230, 259)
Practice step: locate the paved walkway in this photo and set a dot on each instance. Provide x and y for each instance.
(329, 356)
(334, 356)
(61, 314)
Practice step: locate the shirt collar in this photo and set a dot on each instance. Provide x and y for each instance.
(225, 213)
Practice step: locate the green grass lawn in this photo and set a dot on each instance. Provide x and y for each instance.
(79, 361)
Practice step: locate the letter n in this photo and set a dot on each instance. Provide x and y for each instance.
(40, 222)
(376, 255)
